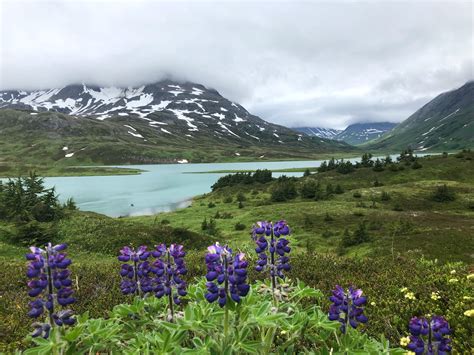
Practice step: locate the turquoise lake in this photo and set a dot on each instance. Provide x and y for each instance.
(163, 187)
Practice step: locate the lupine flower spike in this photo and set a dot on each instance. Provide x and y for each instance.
(272, 251)
(50, 285)
(168, 267)
(435, 330)
(135, 276)
(347, 307)
(226, 275)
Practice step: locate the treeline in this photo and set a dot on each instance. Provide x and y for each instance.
(32, 208)
(260, 176)
(406, 159)
(288, 188)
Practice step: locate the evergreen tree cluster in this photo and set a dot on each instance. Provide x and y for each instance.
(260, 176)
(33, 208)
(345, 167)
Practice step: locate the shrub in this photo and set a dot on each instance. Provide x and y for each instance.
(377, 183)
(284, 189)
(339, 190)
(211, 205)
(241, 205)
(308, 188)
(443, 194)
(241, 197)
(416, 165)
(239, 226)
(328, 218)
(228, 199)
(307, 173)
(359, 236)
(385, 196)
(378, 166)
(357, 194)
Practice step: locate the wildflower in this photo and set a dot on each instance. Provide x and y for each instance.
(373, 303)
(168, 267)
(347, 307)
(435, 296)
(135, 276)
(469, 313)
(410, 296)
(454, 280)
(50, 286)
(436, 330)
(404, 289)
(470, 276)
(404, 341)
(452, 272)
(467, 298)
(272, 252)
(226, 275)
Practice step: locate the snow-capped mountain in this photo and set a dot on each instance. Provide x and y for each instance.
(159, 122)
(359, 133)
(191, 103)
(328, 133)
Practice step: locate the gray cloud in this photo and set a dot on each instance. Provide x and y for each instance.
(295, 63)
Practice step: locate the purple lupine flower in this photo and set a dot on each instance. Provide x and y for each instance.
(272, 252)
(50, 284)
(434, 330)
(135, 276)
(347, 307)
(226, 275)
(168, 268)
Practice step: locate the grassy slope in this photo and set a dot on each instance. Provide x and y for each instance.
(38, 141)
(431, 224)
(439, 230)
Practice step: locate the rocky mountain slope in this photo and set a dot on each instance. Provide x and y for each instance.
(329, 133)
(359, 133)
(161, 122)
(444, 123)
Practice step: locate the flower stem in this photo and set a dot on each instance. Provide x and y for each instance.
(272, 262)
(50, 289)
(170, 296)
(226, 307)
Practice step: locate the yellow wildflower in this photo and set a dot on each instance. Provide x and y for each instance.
(453, 272)
(410, 296)
(404, 289)
(469, 313)
(405, 341)
(435, 296)
(410, 353)
(467, 298)
(453, 281)
(470, 276)
(373, 303)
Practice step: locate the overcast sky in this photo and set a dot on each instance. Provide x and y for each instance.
(316, 63)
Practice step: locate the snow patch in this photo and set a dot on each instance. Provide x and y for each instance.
(138, 135)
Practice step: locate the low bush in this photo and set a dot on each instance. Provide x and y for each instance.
(443, 193)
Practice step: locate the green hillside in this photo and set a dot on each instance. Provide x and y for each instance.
(445, 123)
(40, 141)
(404, 225)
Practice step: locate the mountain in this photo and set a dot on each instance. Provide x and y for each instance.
(161, 122)
(328, 133)
(359, 133)
(354, 134)
(444, 123)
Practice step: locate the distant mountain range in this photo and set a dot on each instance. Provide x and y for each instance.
(162, 122)
(444, 123)
(354, 134)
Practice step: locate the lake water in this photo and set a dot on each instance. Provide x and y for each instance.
(163, 187)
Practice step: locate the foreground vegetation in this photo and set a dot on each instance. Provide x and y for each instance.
(402, 235)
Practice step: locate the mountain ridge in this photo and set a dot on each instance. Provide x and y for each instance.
(160, 122)
(444, 123)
